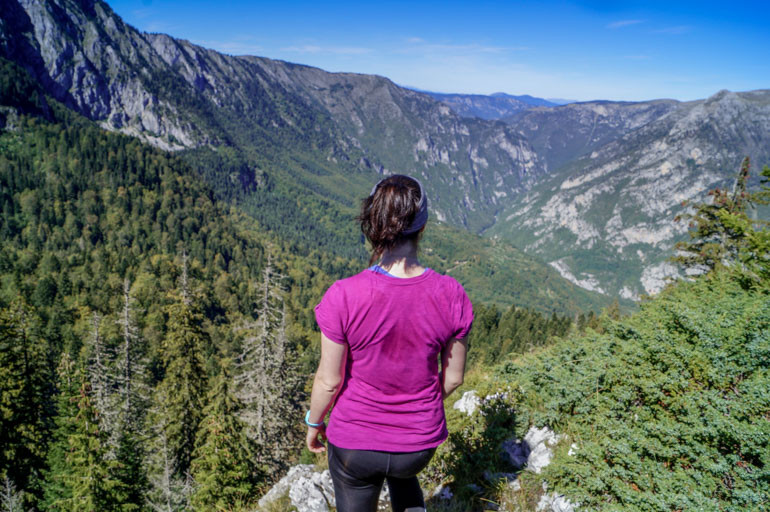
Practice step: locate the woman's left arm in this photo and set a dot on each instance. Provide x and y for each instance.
(327, 383)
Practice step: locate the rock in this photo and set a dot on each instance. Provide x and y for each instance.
(468, 403)
(307, 493)
(553, 502)
(311, 491)
(540, 442)
(442, 492)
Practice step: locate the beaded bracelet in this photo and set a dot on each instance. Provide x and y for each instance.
(307, 421)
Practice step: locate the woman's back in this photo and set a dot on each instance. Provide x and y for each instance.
(381, 336)
(395, 329)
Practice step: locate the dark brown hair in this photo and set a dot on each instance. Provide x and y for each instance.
(388, 212)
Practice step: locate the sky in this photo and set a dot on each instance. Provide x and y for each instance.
(572, 50)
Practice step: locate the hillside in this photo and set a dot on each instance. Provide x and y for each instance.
(315, 126)
(282, 141)
(493, 106)
(124, 275)
(605, 216)
(287, 131)
(664, 410)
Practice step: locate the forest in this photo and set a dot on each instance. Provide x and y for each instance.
(156, 341)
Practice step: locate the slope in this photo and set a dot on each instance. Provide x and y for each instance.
(280, 140)
(605, 218)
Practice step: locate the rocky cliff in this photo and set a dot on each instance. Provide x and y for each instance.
(178, 95)
(605, 216)
(590, 187)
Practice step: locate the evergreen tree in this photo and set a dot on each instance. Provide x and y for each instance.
(23, 396)
(713, 243)
(184, 384)
(222, 469)
(267, 381)
(100, 376)
(57, 489)
(169, 492)
(131, 400)
(80, 475)
(725, 235)
(90, 472)
(10, 498)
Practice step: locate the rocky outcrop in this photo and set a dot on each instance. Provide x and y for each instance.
(591, 187)
(604, 216)
(177, 95)
(310, 490)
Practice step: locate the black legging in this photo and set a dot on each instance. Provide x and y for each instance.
(358, 477)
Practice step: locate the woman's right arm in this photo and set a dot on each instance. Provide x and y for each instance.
(453, 365)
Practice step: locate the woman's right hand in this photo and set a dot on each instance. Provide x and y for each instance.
(313, 440)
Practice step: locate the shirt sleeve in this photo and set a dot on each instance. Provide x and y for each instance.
(330, 314)
(462, 314)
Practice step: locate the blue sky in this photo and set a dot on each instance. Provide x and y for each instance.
(575, 50)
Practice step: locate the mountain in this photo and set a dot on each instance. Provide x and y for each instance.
(560, 101)
(494, 106)
(590, 187)
(567, 132)
(293, 146)
(604, 215)
(326, 128)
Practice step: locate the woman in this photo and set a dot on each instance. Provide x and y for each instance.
(382, 331)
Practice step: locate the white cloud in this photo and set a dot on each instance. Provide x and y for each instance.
(623, 23)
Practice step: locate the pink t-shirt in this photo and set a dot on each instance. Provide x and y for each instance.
(395, 329)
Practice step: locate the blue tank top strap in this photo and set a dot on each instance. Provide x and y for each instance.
(380, 270)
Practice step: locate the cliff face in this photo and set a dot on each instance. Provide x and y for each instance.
(591, 187)
(619, 198)
(177, 95)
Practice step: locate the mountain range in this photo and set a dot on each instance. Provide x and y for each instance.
(494, 106)
(591, 188)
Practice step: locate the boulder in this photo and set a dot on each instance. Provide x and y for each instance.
(310, 490)
(540, 441)
(468, 403)
(553, 502)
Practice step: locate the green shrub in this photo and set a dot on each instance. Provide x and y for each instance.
(669, 408)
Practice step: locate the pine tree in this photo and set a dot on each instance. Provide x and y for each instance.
(24, 396)
(57, 489)
(80, 474)
(169, 492)
(131, 401)
(90, 476)
(222, 468)
(184, 384)
(725, 236)
(100, 376)
(713, 243)
(267, 381)
(10, 497)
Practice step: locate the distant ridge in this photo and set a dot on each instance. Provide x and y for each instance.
(490, 107)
